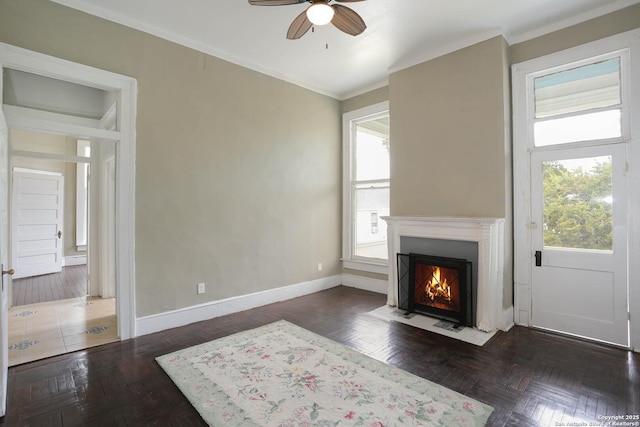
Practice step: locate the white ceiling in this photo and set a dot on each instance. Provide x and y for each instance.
(399, 33)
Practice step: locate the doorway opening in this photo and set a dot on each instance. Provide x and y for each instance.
(41, 93)
(63, 245)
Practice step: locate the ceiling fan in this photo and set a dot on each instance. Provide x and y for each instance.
(320, 13)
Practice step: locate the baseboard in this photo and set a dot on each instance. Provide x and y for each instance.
(74, 260)
(184, 316)
(507, 319)
(366, 283)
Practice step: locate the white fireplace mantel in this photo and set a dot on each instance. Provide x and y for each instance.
(487, 232)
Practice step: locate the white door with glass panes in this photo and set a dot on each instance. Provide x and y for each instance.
(577, 116)
(579, 278)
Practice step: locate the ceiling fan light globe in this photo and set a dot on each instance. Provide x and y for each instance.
(320, 13)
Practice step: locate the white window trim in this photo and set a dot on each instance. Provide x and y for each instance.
(348, 259)
(523, 146)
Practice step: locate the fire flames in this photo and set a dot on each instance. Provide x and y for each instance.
(438, 289)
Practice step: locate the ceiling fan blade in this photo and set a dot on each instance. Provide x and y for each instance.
(299, 26)
(275, 2)
(347, 20)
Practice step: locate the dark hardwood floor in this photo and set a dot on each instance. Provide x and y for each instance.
(530, 377)
(71, 282)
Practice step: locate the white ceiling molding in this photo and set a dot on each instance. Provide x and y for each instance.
(327, 61)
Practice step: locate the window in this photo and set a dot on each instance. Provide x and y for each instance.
(578, 103)
(366, 188)
(577, 203)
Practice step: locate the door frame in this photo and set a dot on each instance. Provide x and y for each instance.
(12, 57)
(4, 259)
(523, 146)
(105, 229)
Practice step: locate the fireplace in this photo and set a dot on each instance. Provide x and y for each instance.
(488, 262)
(436, 286)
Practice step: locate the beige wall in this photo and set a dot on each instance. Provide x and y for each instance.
(448, 134)
(234, 186)
(595, 29)
(365, 99)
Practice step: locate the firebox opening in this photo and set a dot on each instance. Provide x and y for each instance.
(436, 286)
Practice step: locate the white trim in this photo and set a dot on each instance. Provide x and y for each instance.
(348, 260)
(35, 171)
(507, 319)
(4, 257)
(570, 22)
(48, 156)
(15, 113)
(108, 120)
(74, 260)
(126, 87)
(106, 231)
(523, 146)
(365, 283)
(370, 267)
(35, 120)
(82, 193)
(197, 313)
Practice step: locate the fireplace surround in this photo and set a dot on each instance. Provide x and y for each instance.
(488, 233)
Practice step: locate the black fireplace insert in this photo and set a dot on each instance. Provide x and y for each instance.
(436, 286)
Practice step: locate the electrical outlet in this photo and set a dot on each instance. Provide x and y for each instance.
(201, 289)
(319, 266)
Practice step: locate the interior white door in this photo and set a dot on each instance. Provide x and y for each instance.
(4, 261)
(37, 206)
(579, 237)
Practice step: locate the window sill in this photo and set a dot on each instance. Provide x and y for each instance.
(369, 266)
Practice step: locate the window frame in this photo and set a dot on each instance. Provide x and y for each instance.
(349, 119)
(563, 61)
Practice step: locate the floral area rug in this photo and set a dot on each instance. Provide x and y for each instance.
(283, 375)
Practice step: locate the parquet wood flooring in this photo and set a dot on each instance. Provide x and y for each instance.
(71, 282)
(531, 378)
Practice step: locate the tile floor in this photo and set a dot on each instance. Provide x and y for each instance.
(37, 331)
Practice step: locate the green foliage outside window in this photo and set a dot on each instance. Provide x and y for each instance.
(577, 207)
